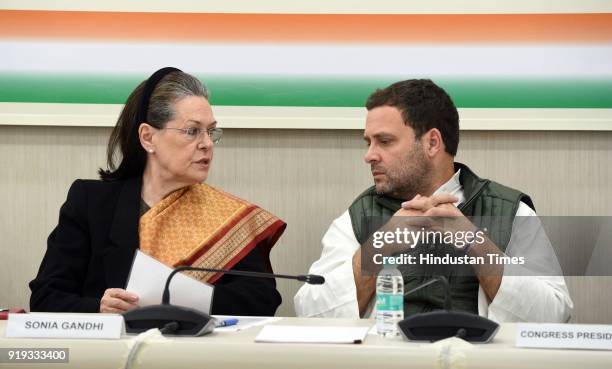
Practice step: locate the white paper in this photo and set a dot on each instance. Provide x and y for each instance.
(311, 334)
(57, 325)
(148, 278)
(564, 336)
(244, 322)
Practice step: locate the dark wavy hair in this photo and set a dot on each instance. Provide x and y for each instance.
(124, 145)
(424, 105)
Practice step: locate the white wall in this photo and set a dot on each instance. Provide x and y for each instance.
(307, 177)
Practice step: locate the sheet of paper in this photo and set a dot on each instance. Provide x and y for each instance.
(148, 278)
(311, 334)
(244, 322)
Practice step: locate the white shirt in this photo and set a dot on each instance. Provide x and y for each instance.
(519, 298)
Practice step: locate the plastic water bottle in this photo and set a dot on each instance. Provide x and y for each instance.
(389, 301)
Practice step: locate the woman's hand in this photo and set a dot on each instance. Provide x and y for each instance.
(117, 301)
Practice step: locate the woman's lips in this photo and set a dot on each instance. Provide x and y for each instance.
(203, 163)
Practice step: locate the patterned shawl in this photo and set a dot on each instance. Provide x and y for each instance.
(205, 227)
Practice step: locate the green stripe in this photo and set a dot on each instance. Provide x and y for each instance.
(318, 91)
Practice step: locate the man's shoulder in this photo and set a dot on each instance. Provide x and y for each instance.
(498, 188)
(512, 194)
(477, 186)
(366, 195)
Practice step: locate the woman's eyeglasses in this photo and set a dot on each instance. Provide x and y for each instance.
(193, 133)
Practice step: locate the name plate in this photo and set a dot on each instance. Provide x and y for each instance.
(565, 336)
(58, 325)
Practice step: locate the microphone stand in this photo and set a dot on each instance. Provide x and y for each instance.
(437, 325)
(184, 321)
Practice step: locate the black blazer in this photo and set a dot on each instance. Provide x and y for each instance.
(93, 246)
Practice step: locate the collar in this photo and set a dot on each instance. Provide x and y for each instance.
(452, 187)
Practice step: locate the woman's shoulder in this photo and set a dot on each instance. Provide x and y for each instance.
(95, 185)
(87, 195)
(95, 189)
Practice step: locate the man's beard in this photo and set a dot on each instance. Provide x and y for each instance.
(410, 177)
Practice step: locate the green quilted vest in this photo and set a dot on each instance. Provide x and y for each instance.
(483, 198)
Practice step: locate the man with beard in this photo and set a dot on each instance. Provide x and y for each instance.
(412, 133)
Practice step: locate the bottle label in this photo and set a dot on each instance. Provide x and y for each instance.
(389, 301)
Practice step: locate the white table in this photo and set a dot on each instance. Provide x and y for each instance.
(238, 350)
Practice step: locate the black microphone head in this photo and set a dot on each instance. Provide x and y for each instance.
(170, 319)
(441, 324)
(314, 279)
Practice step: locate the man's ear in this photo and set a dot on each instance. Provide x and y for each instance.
(432, 142)
(145, 134)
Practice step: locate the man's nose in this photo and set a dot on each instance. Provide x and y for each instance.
(371, 156)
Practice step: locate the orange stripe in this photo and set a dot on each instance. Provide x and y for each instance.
(323, 28)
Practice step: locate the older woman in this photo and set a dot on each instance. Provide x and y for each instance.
(154, 199)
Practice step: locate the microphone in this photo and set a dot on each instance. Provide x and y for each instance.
(309, 278)
(437, 325)
(184, 321)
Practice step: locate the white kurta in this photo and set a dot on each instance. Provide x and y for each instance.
(519, 298)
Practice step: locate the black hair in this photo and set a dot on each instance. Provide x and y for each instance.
(424, 105)
(151, 102)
